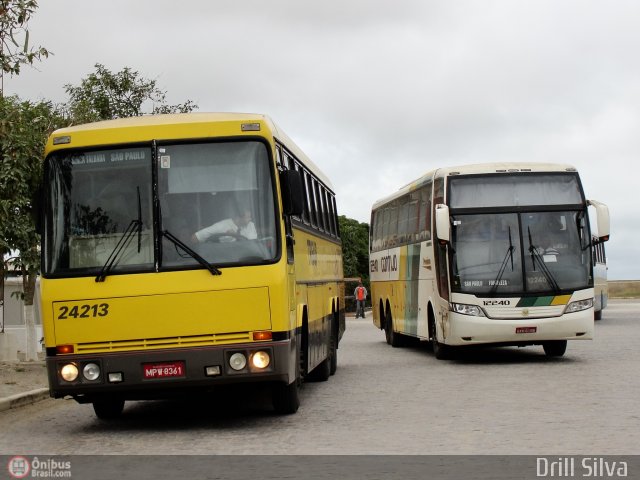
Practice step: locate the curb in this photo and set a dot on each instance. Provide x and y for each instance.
(22, 399)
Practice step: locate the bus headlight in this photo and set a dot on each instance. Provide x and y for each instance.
(464, 309)
(260, 359)
(91, 371)
(69, 372)
(579, 306)
(238, 361)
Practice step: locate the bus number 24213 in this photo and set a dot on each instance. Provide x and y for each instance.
(84, 311)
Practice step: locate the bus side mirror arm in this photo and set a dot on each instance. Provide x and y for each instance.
(443, 224)
(292, 192)
(602, 218)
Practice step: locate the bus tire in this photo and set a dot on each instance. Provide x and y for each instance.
(108, 409)
(597, 315)
(285, 398)
(440, 350)
(394, 339)
(322, 372)
(333, 350)
(555, 348)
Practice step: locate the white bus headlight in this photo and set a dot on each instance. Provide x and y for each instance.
(238, 361)
(69, 372)
(464, 309)
(260, 359)
(579, 306)
(91, 371)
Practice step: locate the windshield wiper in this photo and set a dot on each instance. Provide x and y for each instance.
(535, 256)
(123, 243)
(135, 225)
(509, 254)
(176, 241)
(139, 221)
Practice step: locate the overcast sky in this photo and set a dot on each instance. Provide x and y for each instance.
(379, 92)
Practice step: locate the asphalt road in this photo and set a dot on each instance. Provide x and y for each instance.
(386, 400)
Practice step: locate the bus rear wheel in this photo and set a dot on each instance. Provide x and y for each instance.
(108, 409)
(394, 339)
(555, 348)
(333, 351)
(285, 398)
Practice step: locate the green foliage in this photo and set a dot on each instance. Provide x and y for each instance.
(24, 127)
(104, 95)
(14, 36)
(355, 248)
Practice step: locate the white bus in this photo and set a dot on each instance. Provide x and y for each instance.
(486, 254)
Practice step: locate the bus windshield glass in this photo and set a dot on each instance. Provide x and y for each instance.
(96, 198)
(515, 253)
(216, 198)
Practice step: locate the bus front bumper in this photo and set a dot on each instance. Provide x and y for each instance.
(156, 374)
(470, 330)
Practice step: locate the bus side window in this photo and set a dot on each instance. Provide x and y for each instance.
(424, 225)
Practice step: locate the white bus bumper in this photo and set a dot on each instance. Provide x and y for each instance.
(469, 330)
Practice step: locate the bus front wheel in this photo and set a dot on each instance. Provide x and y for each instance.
(108, 409)
(555, 348)
(285, 398)
(440, 350)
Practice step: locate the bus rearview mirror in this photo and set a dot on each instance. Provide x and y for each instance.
(443, 226)
(602, 219)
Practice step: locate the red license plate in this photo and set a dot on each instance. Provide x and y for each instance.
(163, 370)
(526, 329)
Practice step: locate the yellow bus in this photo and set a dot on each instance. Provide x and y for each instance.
(185, 252)
(486, 254)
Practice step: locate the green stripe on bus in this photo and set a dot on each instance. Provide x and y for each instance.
(527, 302)
(542, 301)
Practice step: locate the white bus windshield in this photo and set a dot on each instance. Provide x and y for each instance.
(515, 253)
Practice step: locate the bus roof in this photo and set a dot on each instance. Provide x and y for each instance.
(477, 169)
(199, 125)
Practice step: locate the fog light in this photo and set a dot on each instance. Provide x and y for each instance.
(260, 359)
(212, 370)
(69, 372)
(91, 371)
(115, 377)
(238, 361)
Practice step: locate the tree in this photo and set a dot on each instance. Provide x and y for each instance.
(14, 52)
(104, 95)
(24, 127)
(14, 37)
(355, 247)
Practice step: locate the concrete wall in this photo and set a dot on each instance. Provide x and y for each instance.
(13, 340)
(13, 312)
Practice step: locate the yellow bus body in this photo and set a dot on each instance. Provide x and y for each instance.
(293, 306)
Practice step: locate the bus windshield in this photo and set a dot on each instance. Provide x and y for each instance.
(516, 253)
(217, 198)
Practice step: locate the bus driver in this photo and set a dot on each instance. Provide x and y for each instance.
(239, 224)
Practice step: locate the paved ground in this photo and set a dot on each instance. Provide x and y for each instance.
(16, 378)
(385, 400)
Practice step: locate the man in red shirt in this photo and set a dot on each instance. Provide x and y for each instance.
(360, 293)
